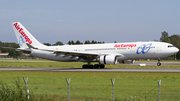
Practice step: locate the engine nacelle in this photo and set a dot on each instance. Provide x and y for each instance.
(107, 59)
(127, 61)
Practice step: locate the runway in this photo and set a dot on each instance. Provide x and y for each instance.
(59, 69)
(70, 69)
(152, 63)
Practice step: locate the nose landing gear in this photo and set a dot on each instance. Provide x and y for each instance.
(159, 63)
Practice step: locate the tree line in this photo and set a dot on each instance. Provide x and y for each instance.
(174, 39)
(12, 52)
(74, 43)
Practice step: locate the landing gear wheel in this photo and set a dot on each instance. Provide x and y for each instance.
(85, 66)
(90, 66)
(159, 64)
(96, 66)
(101, 66)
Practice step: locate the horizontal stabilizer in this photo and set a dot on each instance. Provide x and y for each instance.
(9, 48)
(30, 46)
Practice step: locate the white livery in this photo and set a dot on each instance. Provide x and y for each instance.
(110, 53)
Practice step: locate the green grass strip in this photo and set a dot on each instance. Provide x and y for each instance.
(97, 85)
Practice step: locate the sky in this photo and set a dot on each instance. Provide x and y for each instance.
(50, 21)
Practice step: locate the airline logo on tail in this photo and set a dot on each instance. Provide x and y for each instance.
(23, 34)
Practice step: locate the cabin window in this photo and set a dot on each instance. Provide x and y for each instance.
(169, 46)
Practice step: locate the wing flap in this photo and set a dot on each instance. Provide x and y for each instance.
(75, 53)
(85, 55)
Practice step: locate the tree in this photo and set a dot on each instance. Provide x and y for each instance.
(99, 42)
(87, 42)
(175, 40)
(93, 42)
(12, 52)
(78, 42)
(47, 44)
(164, 37)
(69, 43)
(58, 43)
(167, 40)
(72, 42)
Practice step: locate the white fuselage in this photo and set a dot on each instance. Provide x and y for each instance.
(130, 50)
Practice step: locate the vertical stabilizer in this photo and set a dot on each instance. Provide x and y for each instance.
(24, 36)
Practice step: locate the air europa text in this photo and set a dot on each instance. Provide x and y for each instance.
(125, 45)
(22, 33)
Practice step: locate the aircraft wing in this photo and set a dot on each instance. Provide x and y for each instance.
(76, 53)
(81, 55)
(84, 55)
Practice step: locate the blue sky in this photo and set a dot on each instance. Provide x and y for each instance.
(101, 20)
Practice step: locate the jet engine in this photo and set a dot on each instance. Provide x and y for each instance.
(108, 59)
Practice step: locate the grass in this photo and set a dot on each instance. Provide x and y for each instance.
(15, 92)
(97, 85)
(93, 86)
(11, 92)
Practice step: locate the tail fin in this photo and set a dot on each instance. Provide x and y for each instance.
(24, 36)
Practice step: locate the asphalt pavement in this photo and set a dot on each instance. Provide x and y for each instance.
(70, 69)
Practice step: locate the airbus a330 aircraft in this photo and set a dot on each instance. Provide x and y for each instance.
(111, 53)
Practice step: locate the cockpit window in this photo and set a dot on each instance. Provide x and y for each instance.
(169, 46)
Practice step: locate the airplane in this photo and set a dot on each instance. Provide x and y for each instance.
(109, 53)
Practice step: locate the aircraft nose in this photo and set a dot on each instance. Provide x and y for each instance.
(176, 50)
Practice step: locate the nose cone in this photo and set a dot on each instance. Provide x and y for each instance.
(170, 51)
(176, 50)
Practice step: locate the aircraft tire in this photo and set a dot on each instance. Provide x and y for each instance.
(96, 66)
(85, 66)
(101, 66)
(90, 66)
(159, 64)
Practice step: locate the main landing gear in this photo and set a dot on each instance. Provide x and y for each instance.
(159, 64)
(96, 66)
